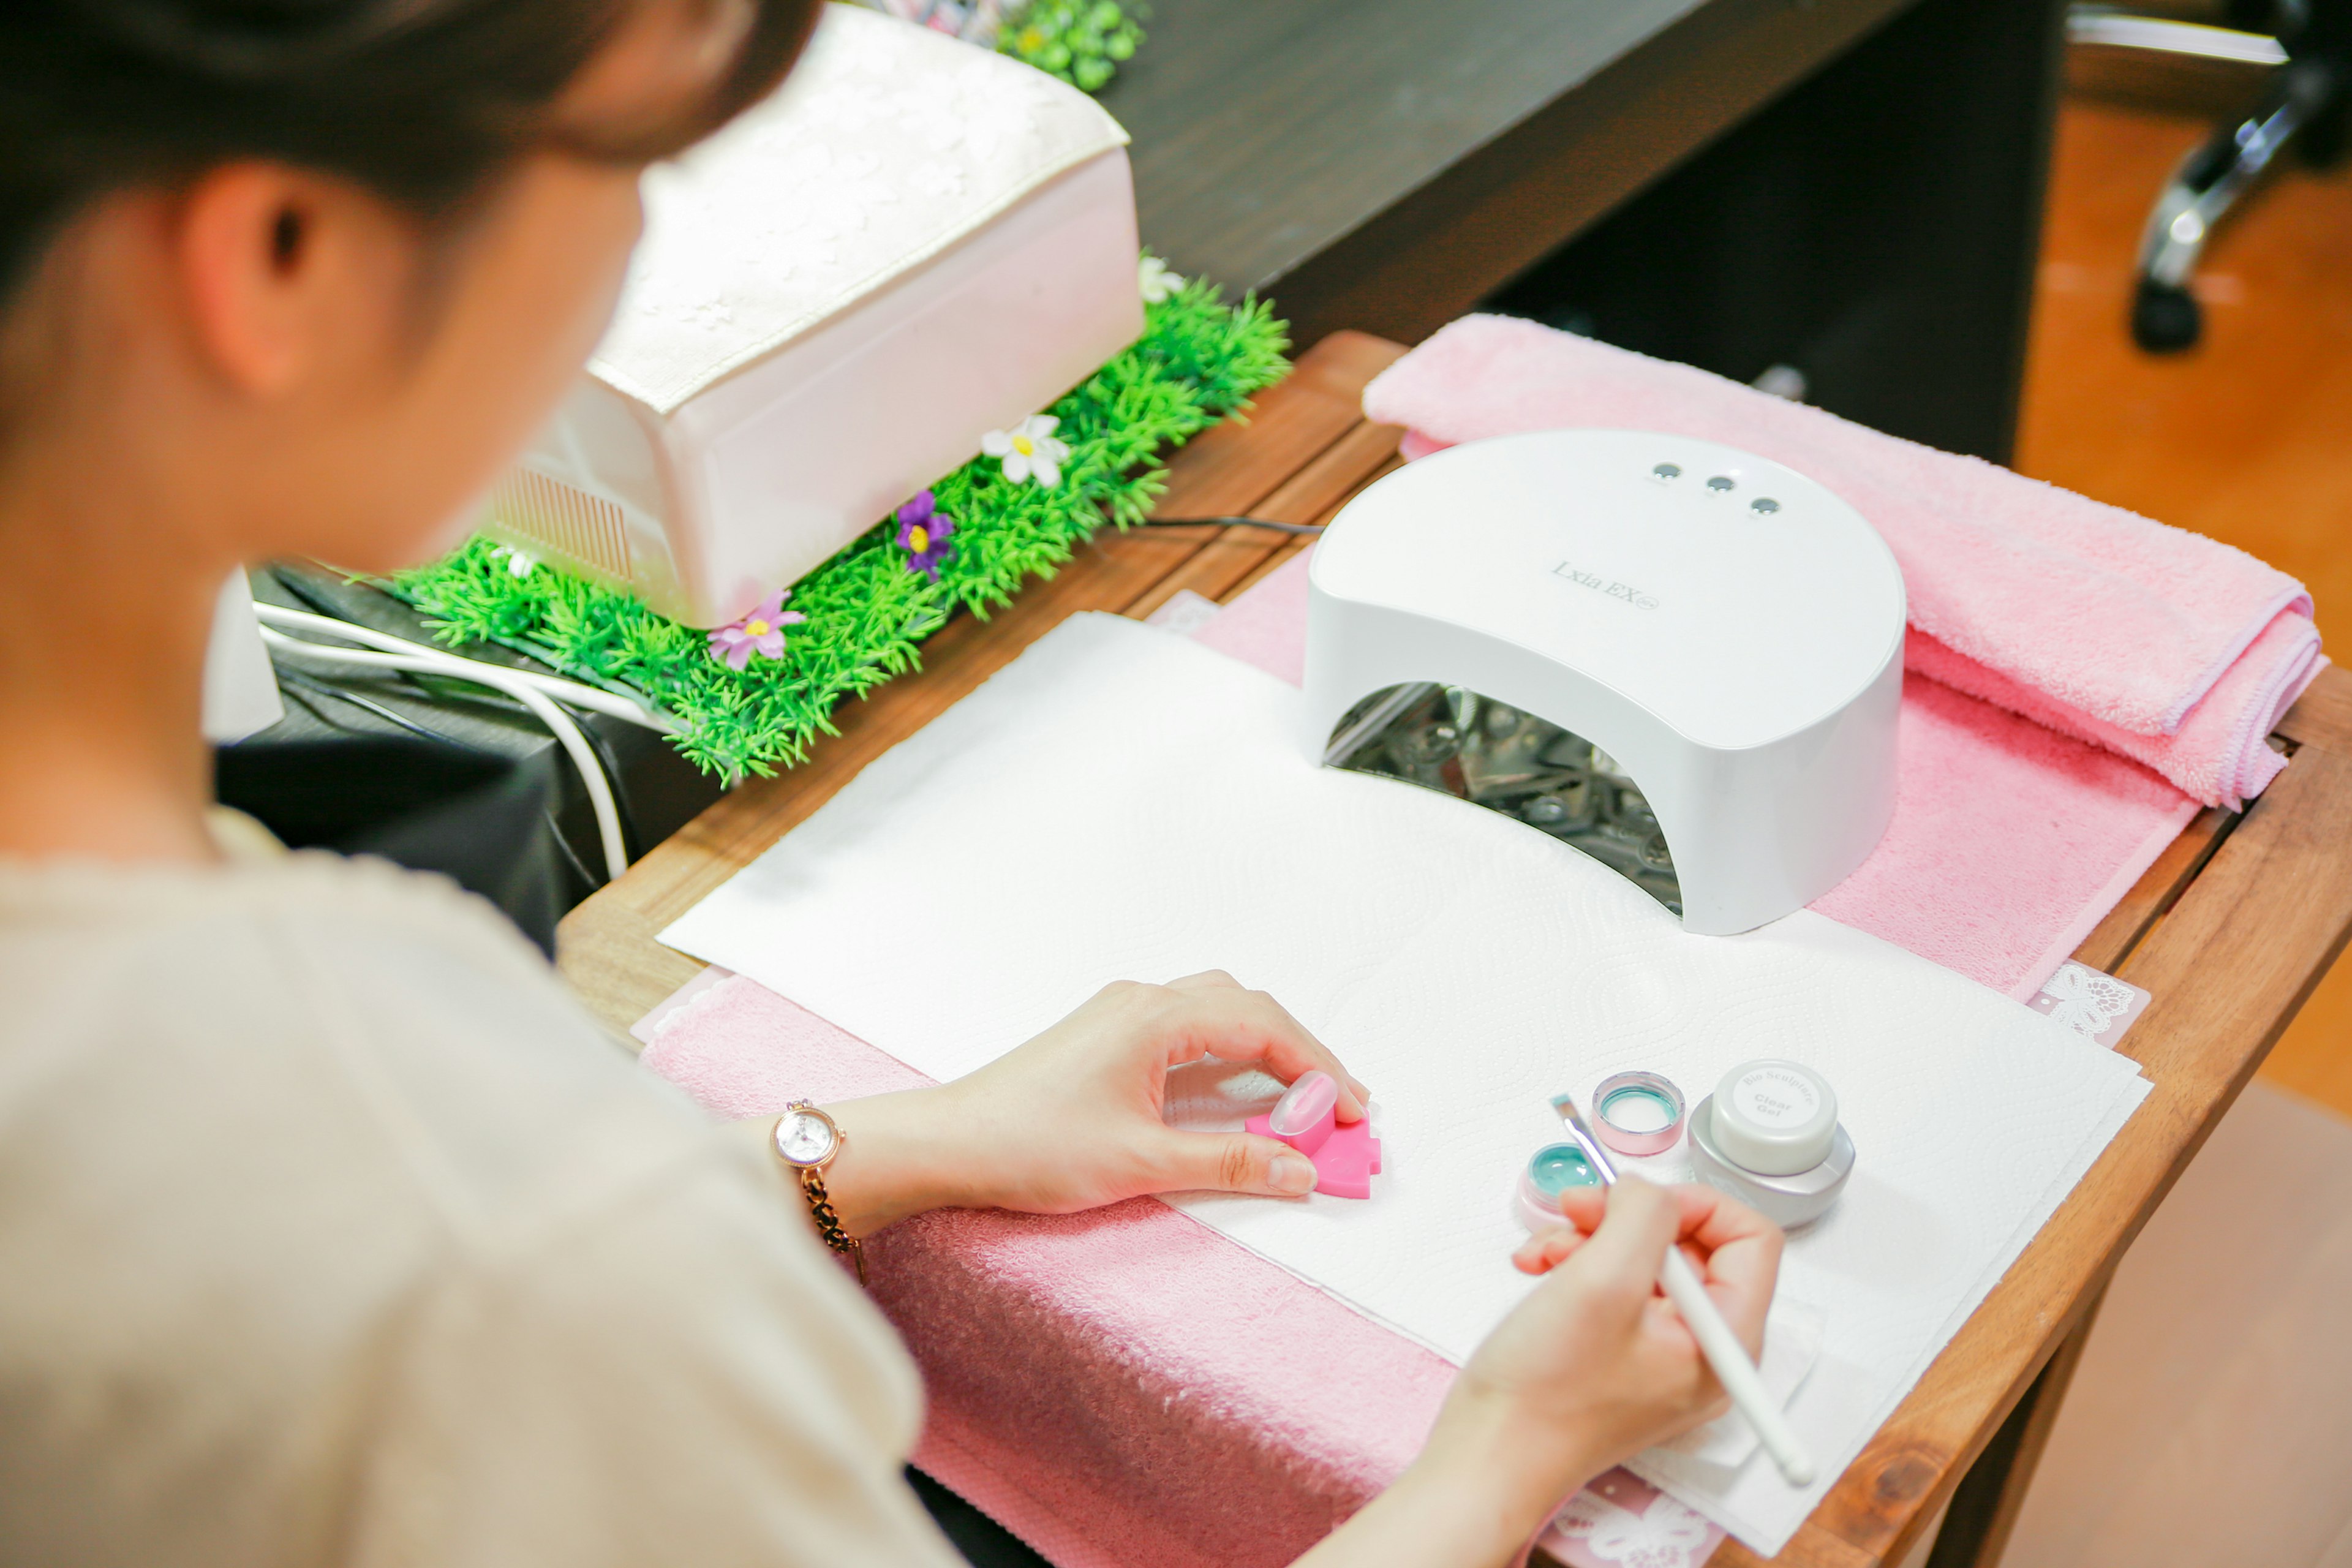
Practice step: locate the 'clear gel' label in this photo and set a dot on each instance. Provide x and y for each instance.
(1776, 1096)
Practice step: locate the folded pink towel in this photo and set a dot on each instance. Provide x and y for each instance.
(2009, 841)
(2072, 610)
(2222, 754)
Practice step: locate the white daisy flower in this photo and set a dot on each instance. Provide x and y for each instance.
(519, 562)
(1028, 450)
(1156, 281)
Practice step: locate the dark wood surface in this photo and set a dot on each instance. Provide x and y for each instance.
(1849, 187)
(1873, 229)
(1374, 161)
(2229, 931)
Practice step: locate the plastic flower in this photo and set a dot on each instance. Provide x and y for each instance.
(760, 632)
(923, 534)
(1081, 41)
(1029, 450)
(519, 562)
(1156, 281)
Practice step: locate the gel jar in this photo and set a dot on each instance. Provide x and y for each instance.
(1550, 1171)
(1769, 1136)
(1638, 1113)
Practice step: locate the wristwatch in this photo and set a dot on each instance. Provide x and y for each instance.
(807, 1141)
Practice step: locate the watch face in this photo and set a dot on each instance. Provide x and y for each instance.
(804, 1139)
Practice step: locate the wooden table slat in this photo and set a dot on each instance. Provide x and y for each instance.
(2322, 713)
(1985, 1506)
(1282, 555)
(1227, 564)
(2159, 886)
(1228, 469)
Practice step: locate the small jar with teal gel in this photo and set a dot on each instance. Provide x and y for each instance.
(1554, 1169)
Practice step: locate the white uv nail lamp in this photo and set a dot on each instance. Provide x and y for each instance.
(1682, 660)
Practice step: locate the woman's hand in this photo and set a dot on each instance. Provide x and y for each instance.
(1073, 1119)
(1594, 1365)
(1597, 1364)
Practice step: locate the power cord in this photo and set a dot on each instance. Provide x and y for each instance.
(312, 687)
(568, 691)
(536, 692)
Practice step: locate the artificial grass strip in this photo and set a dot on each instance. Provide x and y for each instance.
(1199, 359)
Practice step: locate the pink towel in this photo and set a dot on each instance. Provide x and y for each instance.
(1124, 1388)
(1121, 1389)
(2222, 754)
(2009, 842)
(2089, 618)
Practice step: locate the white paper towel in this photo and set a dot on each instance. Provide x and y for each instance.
(1120, 803)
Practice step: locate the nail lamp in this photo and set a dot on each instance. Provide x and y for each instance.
(913, 243)
(1725, 632)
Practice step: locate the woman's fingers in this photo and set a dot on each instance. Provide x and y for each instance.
(1207, 980)
(1547, 1249)
(1742, 1260)
(1229, 1163)
(1735, 1251)
(1223, 1020)
(1629, 1245)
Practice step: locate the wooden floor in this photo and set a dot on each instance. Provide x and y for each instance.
(2207, 1422)
(2247, 438)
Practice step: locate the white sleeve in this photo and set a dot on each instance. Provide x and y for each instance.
(683, 1375)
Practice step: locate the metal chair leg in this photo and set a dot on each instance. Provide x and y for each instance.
(2164, 318)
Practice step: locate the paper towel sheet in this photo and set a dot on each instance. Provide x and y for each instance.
(1120, 803)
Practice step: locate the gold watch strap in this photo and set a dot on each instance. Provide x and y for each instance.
(828, 1224)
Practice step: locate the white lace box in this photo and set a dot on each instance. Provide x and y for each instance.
(914, 242)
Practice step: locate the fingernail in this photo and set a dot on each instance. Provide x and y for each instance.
(1292, 1172)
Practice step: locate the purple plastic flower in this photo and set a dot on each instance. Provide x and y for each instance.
(762, 631)
(923, 534)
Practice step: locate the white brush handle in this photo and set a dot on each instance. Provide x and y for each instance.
(1733, 1369)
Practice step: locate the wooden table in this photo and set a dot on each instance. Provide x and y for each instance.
(2230, 931)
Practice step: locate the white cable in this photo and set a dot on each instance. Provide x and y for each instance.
(568, 691)
(2171, 35)
(515, 684)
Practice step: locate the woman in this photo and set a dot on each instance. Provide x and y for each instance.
(331, 1228)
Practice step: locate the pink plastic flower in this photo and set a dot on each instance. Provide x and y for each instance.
(923, 534)
(760, 632)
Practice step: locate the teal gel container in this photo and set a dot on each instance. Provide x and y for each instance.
(1550, 1171)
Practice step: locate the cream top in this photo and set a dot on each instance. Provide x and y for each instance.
(887, 144)
(334, 1230)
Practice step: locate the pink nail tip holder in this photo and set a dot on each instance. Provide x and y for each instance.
(1308, 1119)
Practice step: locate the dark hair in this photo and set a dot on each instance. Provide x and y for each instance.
(424, 101)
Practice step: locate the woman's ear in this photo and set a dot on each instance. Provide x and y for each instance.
(277, 271)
